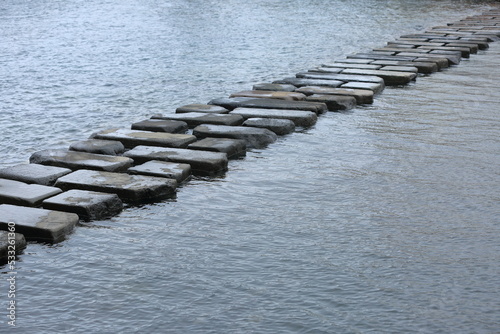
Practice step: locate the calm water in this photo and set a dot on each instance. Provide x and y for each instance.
(383, 219)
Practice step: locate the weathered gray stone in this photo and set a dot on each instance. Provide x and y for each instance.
(234, 148)
(362, 96)
(171, 170)
(411, 69)
(10, 242)
(130, 188)
(278, 126)
(340, 66)
(97, 146)
(204, 108)
(423, 67)
(340, 77)
(88, 205)
(288, 96)
(463, 52)
(274, 87)
(451, 59)
(298, 117)
(459, 44)
(334, 102)
(195, 118)
(374, 56)
(374, 87)
(133, 138)
(19, 193)
(80, 160)
(355, 61)
(390, 77)
(248, 102)
(297, 82)
(202, 162)
(254, 137)
(38, 224)
(160, 125)
(415, 42)
(34, 173)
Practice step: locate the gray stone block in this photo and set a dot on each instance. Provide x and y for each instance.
(298, 117)
(340, 66)
(38, 224)
(248, 102)
(204, 108)
(80, 160)
(88, 205)
(300, 82)
(391, 78)
(234, 148)
(195, 118)
(130, 188)
(160, 125)
(450, 59)
(288, 96)
(171, 170)
(254, 137)
(362, 96)
(334, 102)
(34, 173)
(97, 146)
(133, 138)
(412, 69)
(17, 245)
(19, 193)
(374, 87)
(278, 126)
(202, 162)
(274, 87)
(340, 77)
(423, 67)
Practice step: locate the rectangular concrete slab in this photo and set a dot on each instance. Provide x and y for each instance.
(172, 170)
(340, 77)
(423, 67)
(202, 162)
(88, 205)
(254, 137)
(326, 67)
(391, 78)
(362, 96)
(412, 69)
(249, 102)
(80, 160)
(274, 87)
(38, 224)
(161, 125)
(298, 82)
(334, 102)
(204, 108)
(130, 188)
(133, 138)
(234, 148)
(278, 126)
(298, 117)
(195, 118)
(374, 87)
(98, 146)
(289, 96)
(20, 193)
(34, 173)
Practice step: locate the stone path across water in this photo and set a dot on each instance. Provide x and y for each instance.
(145, 163)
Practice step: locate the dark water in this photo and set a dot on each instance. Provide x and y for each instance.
(383, 219)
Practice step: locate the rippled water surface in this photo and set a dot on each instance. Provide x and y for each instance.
(383, 219)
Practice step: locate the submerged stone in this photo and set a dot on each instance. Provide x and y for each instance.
(234, 148)
(19, 243)
(34, 173)
(362, 96)
(97, 146)
(254, 137)
(298, 117)
(171, 170)
(334, 102)
(159, 125)
(133, 138)
(289, 96)
(38, 224)
(203, 108)
(278, 126)
(249, 102)
(194, 118)
(19, 193)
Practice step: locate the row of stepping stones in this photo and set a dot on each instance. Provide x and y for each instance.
(93, 179)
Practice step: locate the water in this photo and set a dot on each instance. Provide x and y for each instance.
(383, 219)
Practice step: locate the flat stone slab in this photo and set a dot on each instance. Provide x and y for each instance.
(160, 125)
(334, 102)
(170, 170)
(327, 67)
(423, 67)
(341, 77)
(299, 82)
(204, 108)
(202, 162)
(278, 126)
(18, 244)
(234, 148)
(362, 96)
(254, 137)
(130, 188)
(88, 205)
(38, 224)
(390, 77)
(97, 146)
(249, 102)
(374, 87)
(411, 69)
(133, 138)
(34, 173)
(80, 160)
(274, 87)
(298, 117)
(195, 118)
(19, 193)
(463, 52)
(288, 96)
(451, 59)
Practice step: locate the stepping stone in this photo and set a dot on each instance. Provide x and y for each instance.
(195, 118)
(298, 117)
(362, 96)
(297, 82)
(274, 87)
(451, 59)
(354, 61)
(334, 102)
(204, 108)
(374, 87)
(80, 160)
(97, 146)
(170, 170)
(340, 77)
(411, 69)
(159, 125)
(278, 126)
(202, 162)
(472, 47)
(34, 173)
(463, 52)
(19, 243)
(133, 138)
(88, 205)
(423, 67)
(130, 188)
(414, 42)
(391, 78)
(19, 193)
(288, 96)
(254, 137)
(327, 67)
(234, 148)
(38, 224)
(248, 102)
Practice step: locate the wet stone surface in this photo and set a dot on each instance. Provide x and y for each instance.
(172, 170)
(298, 117)
(203, 108)
(362, 96)
(390, 77)
(158, 125)
(249, 102)
(341, 77)
(288, 96)
(301, 82)
(132, 138)
(20, 193)
(334, 102)
(374, 87)
(194, 118)
(234, 148)
(254, 137)
(19, 243)
(34, 173)
(278, 126)
(274, 87)
(97, 146)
